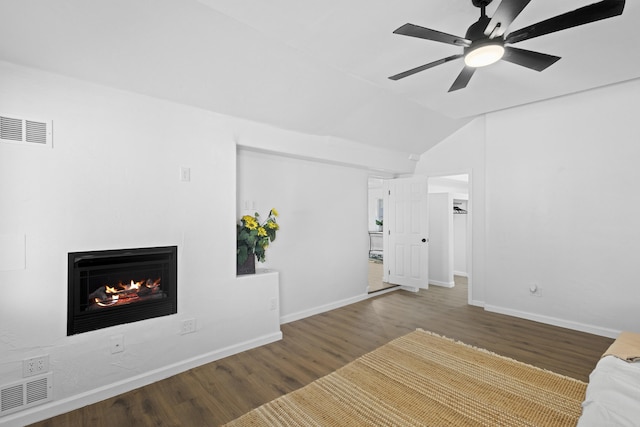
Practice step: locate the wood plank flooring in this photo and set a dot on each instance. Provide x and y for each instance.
(218, 392)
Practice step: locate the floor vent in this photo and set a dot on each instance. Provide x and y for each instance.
(25, 393)
(25, 131)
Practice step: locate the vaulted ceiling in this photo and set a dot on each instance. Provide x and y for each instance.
(318, 67)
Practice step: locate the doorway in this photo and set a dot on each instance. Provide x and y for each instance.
(375, 227)
(450, 213)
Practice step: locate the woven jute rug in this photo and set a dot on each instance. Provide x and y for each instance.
(425, 379)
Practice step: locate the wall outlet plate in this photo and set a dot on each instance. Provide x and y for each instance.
(35, 366)
(188, 326)
(535, 290)
(185, 174)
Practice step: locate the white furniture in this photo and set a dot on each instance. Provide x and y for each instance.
(613, 393)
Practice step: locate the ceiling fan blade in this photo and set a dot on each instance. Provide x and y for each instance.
(424, 67)
(463, 79)
(429, 34)
(504, 16)
(584, 15)
(528, 58)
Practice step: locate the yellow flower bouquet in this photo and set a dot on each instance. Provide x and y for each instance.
(254, 237)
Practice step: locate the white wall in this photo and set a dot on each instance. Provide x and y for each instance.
(375, 197)
(444, 184)
(322, 247)
(111, 180)
(441, 239)
(558, 202)
(460, 240)
(463, 152)
(379, 161)
(562, 197)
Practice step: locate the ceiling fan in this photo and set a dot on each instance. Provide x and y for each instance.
(485, 42)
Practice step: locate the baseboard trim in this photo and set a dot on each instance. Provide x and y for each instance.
(321, 309)
(90, 397)
(442, 284)
(460, 273)
(568, 324)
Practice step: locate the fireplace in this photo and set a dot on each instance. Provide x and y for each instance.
(112, 287)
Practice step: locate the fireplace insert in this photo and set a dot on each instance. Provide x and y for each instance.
(111, 287)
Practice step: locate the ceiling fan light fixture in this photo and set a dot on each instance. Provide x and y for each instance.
(484, 55)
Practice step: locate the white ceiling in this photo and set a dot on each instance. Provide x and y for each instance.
(310, 66)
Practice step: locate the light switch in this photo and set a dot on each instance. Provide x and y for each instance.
(185, 174)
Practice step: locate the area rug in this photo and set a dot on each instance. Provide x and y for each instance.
(425, 379)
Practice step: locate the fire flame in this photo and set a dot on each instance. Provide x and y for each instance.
(124, 294)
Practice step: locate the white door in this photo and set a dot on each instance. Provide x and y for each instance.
(406, 225)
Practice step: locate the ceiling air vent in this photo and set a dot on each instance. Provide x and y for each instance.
(25, 131)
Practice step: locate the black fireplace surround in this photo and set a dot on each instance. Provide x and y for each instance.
(112, 287)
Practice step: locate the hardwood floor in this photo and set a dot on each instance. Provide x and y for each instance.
(313, 347)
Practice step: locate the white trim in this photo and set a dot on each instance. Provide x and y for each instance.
(321, 309)
(476, 303)
(460, 273)
(576, 326)
(412, 288)
(337, 304)
(442, 284)
(68, 404)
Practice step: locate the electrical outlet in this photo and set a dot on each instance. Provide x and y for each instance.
(117, 344)
(188, 326)
(535, 290)
(35, 366)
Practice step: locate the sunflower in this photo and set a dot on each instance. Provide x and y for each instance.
(254, 237)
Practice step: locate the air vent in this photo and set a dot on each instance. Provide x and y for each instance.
(25, 131)
(25, 394)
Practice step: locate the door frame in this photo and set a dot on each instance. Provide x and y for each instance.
(470, 210)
